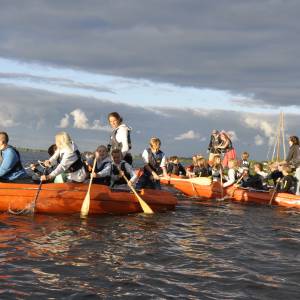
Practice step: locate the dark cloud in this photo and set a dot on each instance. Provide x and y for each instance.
(246, 47)
(32, 117)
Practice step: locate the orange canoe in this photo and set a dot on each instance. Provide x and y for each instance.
(66, 198)
(203, 187)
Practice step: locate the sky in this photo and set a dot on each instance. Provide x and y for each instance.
(176, 69)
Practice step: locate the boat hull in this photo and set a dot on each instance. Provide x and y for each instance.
(215, 191)
(67, 198)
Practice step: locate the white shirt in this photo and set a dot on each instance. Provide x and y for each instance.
(231, 178)
(145, 157)
(107, 171)
(122, 137)
(68, 158)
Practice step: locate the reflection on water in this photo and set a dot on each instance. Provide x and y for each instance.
(203, 250)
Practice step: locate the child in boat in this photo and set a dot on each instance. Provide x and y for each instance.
(288, 183)
(116, 170)
(232, 173)
(202, 169)
(175, 167)
(256, 181)
(103, 160)
(38, 169)
(244, 162)
(66, 159)
(190, 168)
(154, 165)
(216, 168)
(274, 174)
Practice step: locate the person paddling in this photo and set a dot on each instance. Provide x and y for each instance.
(66, 159)
(154, 165)
(11, 169)
(102, 161)
(116, 169)
(120, 136)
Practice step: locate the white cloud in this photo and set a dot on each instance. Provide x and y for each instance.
(64, 122)
(256, 123)
(189, 135)
(258, 140)
(81, 121)
(232, 135)
(6, 121)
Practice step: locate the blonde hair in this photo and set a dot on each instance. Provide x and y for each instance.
(154, 141)
(63, 141)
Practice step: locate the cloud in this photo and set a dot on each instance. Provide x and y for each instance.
(81, 121)
(189, 135)
(232, 135)
(64, 122)
(258, 123)
(37, 126)
(258, 140)
(234, 46)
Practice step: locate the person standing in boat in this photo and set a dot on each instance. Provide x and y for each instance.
(214, 142)
(11, 169)
(120, 137)
(226, 148)
(154, 165)
(66, 159)
(293, 158)
(116, 170)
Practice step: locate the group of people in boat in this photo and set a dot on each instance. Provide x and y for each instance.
(284, 176)
(112, 164)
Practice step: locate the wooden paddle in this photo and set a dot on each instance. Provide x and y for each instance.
(85, 207)
(146, 208)
(274, 192)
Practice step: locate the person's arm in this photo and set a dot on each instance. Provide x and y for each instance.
(68, 159)
(223, 144)
(133, 176)
(104, 173)
(10, 158)
(231, 178)
(163, 166)
(122, 137)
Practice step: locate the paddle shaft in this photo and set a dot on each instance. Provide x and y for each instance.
(146, 208)
(274, 192)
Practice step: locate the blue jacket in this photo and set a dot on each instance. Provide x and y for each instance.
(10, 158)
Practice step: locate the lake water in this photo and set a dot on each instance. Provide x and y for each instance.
(202, 250)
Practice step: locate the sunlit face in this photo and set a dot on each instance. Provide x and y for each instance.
(217, 160)
(155, 147)
(290, 143)
(113, 122)
(101, 153)
(116, 157)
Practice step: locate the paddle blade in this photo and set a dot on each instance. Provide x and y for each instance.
(85, 205)
(145, 207)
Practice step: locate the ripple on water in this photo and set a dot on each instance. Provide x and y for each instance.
(203, 250)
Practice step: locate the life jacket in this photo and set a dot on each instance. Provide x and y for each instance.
(201, 171)
(155, 160)
(76, 165)
(18, 165)
(215, 173)
(102, 180)
(115, 171)
(245, 164)
(114, 144)
(288, 184)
